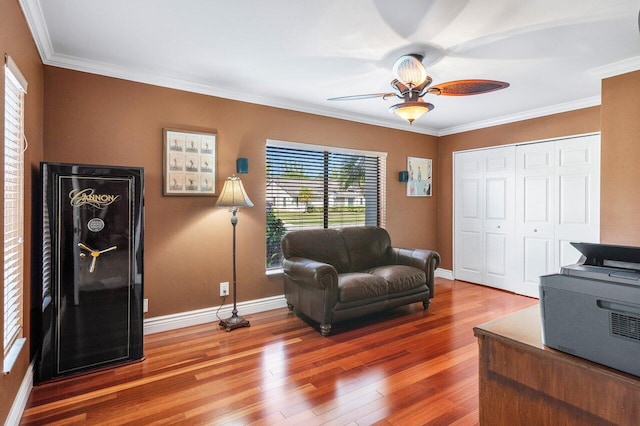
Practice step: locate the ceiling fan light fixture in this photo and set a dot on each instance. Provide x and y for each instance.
(411, 110)
(410, 71)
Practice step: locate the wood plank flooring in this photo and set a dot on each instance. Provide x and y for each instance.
(401, 367)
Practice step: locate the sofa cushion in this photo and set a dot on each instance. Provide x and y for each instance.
(400, 278)
(358, 286)
(321, 245)
(367, 246)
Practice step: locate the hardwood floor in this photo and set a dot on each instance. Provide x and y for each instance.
(402, 367)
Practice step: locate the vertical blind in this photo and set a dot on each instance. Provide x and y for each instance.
(15, 88)
(320, 187)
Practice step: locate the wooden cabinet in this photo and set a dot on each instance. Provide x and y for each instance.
(522, 382)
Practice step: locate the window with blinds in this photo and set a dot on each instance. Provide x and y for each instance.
(15, 88)
(312, 186)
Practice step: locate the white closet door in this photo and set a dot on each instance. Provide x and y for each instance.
(499, 218)
(557, 202)
(578, 182)
(517, 209)
(468, 216)
(535, 195)
(484, 216)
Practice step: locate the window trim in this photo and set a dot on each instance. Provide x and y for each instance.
(336, 149)
(15, 90)
(382, 176)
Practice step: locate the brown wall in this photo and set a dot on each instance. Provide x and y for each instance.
(15, 40)
(619, 198)
(100, 120)
(569, 123)
(92, 119)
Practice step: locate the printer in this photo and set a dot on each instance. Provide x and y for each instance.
(592, 309)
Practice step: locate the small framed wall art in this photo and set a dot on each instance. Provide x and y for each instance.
(189, 162)
(420, 177)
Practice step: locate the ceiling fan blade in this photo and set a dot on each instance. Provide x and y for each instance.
(467, 87)
(359, 97)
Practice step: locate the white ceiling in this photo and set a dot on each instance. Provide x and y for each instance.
(295, 54)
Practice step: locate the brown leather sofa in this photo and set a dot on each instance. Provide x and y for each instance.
(333, 275)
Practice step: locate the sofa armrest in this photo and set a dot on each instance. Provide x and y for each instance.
(425, 260)
(310, 272)
(311, 287)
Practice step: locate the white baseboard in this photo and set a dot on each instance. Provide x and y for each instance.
(203, 316)
(444, 273)
(206, 315)
(20, 402)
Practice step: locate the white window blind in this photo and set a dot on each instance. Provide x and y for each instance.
(15, 88)
(312, 186)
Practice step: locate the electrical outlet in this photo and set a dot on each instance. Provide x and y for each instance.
(145, 305)
(224, 289)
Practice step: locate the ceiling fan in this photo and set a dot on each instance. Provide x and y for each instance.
(412, 83)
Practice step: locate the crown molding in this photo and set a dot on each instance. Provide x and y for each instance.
(37, 24)
(524, 115)
(617, 68)
(124, 73)
(35, 19)
(109, 70)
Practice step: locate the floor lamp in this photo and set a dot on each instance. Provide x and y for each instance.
(233, 196)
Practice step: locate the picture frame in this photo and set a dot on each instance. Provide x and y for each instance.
(189, 162)
(420, 183)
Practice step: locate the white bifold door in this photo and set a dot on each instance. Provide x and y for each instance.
(484, 216)
(517, 208)
(557, 202)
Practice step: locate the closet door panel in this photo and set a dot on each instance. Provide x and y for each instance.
(484, 218)
(578, 180)
(574, 199)
(567, 254)
(471, 206)
(496, 249)
(537, 193)
(496, 237)
(497, 199)
(535, 217)
(469, 259)
(538, 259)
(469, 199)
(499, 216)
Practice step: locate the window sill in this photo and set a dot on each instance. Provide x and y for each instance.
(12, 356)
(274, 272)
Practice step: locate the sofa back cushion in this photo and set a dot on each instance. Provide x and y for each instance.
(322, 245)
(367, 247)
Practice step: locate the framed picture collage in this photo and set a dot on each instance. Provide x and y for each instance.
(189, 163)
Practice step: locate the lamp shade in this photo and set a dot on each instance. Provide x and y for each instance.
(233, 194)
(411, 110)
(410, 71)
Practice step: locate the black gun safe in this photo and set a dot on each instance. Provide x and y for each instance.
(91, 292)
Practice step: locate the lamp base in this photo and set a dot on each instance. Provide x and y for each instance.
(233, 322)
